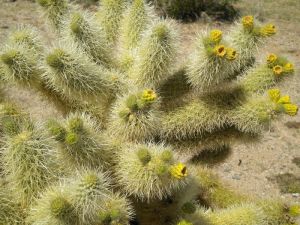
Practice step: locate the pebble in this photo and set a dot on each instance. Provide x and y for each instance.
(236, 177)
(295, 195)
(227, 170)
(293, 124)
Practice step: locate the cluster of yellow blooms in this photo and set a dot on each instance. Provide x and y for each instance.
(149, 95)
(178, 171)
(282, 103)
(220, 50)
(278, 66)
(265, 31)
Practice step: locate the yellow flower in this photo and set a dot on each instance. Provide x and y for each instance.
(282, 104)
(216, 35)
(277, 69)
(289, 67)
(274, 94)
(272, 58)
(149, 95)
(220, 50)
(231, 54)
(248, 22)
(268, 30)
(284, 100)
(290, 109)
(179, 171)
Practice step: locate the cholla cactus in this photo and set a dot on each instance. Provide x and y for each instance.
(55, 11)
(83, 29)
(80, 145)
(10, 211)
(267, 75)
(29, 163)
(53, 207)
(154, 167)
(134, 115)
(110, 16)
(13, 121)
(269, 212)
(156, 55)
(212, 62)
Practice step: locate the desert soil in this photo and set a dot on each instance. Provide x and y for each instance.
(251, 168)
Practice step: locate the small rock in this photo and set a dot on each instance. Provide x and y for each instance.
(240, 162)
(227, 170)
(236, 177)
(205, 17)
(295, 195)
(292, 124)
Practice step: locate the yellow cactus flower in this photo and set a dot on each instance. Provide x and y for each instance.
(220, 50)
(271, 58)
(179, 171)
(248, 22)
(231, 54)
(284, 100)
(289, 68)
(274, 94)
(268, 30)
(216, 36)
(149, 95)
(290, 109)
(277, 70)
(282, 104)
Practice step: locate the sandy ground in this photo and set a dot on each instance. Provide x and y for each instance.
(248, 167)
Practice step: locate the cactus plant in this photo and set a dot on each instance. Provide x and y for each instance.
(28, 162)
(134, 115)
